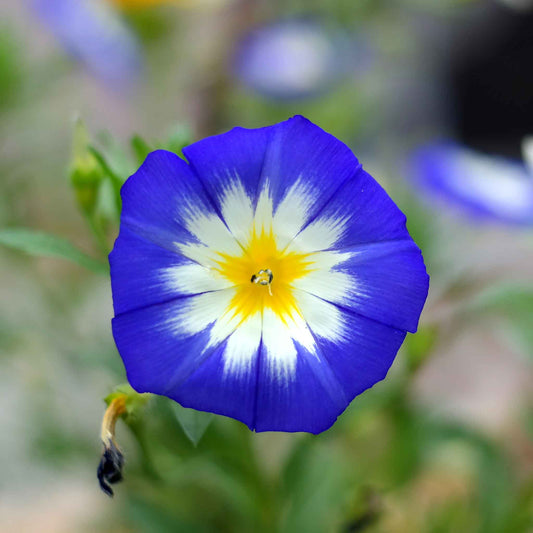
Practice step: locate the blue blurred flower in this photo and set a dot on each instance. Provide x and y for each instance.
(293, 59)
(484, 186)
(93, 33)
(269, 279)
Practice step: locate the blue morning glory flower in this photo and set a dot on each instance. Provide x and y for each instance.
(484, 186)
(294, 58)
(269, 278)
(94, 34)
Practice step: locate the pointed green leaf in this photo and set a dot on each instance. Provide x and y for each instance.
(194, 423)
(418, 346)
(109, 172)
(315, 481)
(114, 179)
(140, 148)
(43, 244)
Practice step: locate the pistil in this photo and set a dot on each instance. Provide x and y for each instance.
(264, 277)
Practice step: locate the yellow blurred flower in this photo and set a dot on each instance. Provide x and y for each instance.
(142, 3)
(139, 4)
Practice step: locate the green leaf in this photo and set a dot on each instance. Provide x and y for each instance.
(46, 245)
(109, 172)
(157, 516)
(315, 482)
(514, 303)
(194, 423)
(140, 148)
(117, 158)
(114, 179)
(418, 346)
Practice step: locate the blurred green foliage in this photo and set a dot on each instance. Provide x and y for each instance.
(385, 466)
(11, 70)
(513, 303)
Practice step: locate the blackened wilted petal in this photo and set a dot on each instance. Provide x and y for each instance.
(110, 468)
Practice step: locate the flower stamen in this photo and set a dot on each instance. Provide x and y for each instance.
(264, 277)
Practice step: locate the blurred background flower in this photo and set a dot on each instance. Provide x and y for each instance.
(297, 58)
(486, 186)
(94, 34)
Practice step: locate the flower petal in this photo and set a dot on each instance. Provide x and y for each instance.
(150, 274)
(156, 354)
(351, 354)
(225, 383)
(384, 281)
(228, 378)
(177, 211)
(359, 212)
(162, 344)
(229, 166)
(361, 350)
(309, 401)
(305, 166)
(295, 165)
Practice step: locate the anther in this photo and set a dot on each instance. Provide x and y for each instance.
(263, 277)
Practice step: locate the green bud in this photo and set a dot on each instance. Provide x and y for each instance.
(85, 172)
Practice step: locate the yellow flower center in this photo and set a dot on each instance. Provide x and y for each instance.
(263, 275)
